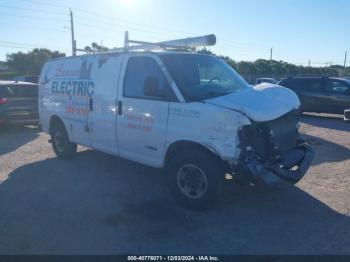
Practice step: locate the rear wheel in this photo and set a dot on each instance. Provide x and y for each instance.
(60, 142)
(195, 178)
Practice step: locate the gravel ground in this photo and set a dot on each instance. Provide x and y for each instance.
(99, 204)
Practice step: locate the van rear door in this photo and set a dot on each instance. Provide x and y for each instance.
(143, 109)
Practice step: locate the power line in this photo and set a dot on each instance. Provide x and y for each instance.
(105, 28)
(15, 46)
(33, 27)
(238, 48)
(144, 33)
(26, 48)
(156, 32)
(30, 9)
(46, 3)
(108, 26)
(33, 17)
(94, 13)
(134, 27)
(27, 44)
(128, 22)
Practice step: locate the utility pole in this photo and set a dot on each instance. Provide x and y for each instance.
(271, 54)
(346, 56)
(74, 48)
(309, 63)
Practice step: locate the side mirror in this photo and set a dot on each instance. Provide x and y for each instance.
(151, 87)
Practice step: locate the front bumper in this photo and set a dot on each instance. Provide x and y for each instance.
(291, 169)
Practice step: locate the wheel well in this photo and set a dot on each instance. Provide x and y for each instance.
(179, 146)
(54, 121)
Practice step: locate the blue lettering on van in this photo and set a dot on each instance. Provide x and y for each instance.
(73, 87)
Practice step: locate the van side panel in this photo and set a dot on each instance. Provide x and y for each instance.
(65, 90)
(102, 117)
(49, 103)
(82, 92)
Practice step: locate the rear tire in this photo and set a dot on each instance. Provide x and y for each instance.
(195, 178)
(61, 145)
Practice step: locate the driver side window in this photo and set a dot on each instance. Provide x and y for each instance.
(144, 79)
(211, 74)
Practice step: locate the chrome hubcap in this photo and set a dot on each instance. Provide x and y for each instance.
(192, 181)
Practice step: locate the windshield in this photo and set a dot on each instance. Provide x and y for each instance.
(201, 77)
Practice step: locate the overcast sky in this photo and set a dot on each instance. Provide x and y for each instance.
(297, 30)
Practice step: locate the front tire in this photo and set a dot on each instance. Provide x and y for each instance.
(61, 145)
(195, 178)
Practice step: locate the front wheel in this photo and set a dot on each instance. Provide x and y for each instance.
(62, 147)
(195, 178)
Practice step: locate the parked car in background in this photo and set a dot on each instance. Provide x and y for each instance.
(347, 115)
(27, 78)
(18, 102)
(265, 80)
(320, 94)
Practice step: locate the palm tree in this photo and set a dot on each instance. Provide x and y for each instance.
(88, 49)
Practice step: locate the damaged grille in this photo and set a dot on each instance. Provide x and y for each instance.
(272, 139)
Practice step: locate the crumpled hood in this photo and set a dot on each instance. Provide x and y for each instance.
(264, 102)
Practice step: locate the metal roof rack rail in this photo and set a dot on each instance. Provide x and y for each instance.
(189, 44)
(185, 44)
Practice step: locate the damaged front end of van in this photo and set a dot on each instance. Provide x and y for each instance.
(271, 150)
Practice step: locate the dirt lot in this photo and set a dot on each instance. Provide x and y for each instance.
(99, 204)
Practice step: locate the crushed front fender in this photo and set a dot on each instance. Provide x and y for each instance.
(291, 169)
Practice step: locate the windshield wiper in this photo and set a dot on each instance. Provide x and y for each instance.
(214, 94)
(206, 96)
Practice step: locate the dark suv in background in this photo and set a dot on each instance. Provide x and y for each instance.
(320, 94)
(18, 102)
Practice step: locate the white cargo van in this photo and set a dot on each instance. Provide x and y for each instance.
(188, 113)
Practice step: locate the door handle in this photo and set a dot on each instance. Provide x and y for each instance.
(120, 108)
(91, 104)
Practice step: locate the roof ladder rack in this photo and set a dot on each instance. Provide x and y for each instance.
(185, 44)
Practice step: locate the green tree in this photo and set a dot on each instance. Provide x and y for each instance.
(94, 47)
(88, 49)
(230, 61)
(205, 51)
(246, 68)
(31, 62)
(263, 67)
(346, 72)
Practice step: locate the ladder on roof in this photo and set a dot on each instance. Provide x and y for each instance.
(185, 44)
